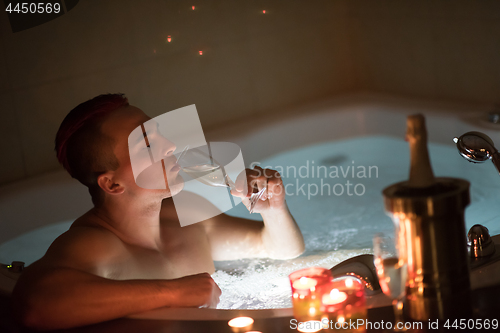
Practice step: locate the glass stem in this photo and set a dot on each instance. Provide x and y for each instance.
(399, 322)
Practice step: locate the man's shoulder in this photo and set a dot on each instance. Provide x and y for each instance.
(90, 237)
(85, 247)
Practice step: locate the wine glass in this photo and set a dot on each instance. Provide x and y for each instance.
(201, 166)
(392, 272)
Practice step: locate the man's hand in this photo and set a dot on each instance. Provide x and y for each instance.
(199, 290)
(278, 237)
(256, 179)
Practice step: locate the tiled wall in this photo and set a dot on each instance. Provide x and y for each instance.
(439, 49)
(252, 63)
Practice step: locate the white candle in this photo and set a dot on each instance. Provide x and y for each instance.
(304, 283)
(334, 297)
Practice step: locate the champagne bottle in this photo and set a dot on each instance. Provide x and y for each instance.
(421, 175)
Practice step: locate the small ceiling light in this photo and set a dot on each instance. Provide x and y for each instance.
(200, 52)
(192, 7)
(169, 39)
(264, 11)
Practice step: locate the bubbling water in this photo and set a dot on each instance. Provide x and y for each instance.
(338, 223)
(264, 284)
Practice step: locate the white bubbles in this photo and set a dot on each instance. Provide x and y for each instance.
(264, 284)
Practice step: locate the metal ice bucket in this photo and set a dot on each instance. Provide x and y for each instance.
(430, 232)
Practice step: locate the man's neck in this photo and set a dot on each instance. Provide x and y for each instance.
(133, 223)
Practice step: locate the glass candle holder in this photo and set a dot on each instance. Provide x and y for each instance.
(306, 297)
(343, 300)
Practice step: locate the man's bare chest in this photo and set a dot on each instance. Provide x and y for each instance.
(183, 251)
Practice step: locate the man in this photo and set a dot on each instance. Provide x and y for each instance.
(128, 254)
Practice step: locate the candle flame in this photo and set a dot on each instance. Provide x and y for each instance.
(305, 283)
(335, 297)
(240, 322)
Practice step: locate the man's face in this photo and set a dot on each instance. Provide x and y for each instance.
(136, 137)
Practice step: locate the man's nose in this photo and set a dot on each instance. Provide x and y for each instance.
(167, 147)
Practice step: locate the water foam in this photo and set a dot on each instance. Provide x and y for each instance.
(264, 284)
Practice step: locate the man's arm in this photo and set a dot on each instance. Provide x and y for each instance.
(54, 293)
(277, 237)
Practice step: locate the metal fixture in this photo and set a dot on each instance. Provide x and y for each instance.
(494, 117)
(477, 147)
(14, 267)
(362, 268)
(479, 242)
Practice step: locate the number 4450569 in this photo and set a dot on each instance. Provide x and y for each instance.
(472, 324)
(32, 8)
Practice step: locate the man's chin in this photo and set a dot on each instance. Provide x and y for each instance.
(172, 189)
(175, 189)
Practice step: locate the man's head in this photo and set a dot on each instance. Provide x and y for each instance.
(92, 145)
(82, 148)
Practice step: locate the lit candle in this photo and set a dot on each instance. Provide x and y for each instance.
(240, 323)
(306, 298)
(335, 297)
(304, 283)
(343, 299)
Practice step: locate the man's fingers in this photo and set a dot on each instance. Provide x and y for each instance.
(253, 180)
(245, 182)
(275, 185)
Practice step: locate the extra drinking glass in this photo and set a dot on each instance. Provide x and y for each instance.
(392, 272)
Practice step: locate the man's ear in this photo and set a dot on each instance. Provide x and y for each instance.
(108, 184)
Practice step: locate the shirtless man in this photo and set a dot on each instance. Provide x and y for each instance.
(128, 254)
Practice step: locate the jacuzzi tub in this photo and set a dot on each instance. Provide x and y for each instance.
(338, 130)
